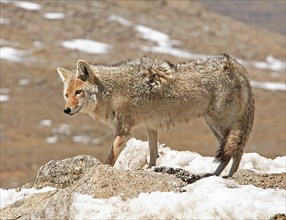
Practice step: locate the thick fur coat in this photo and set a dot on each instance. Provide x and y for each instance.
(160, 94)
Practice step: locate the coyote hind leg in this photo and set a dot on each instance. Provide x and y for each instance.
(235, 164)
(220, 167)
(220, 140)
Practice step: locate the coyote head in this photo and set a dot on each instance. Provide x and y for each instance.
(79, 88)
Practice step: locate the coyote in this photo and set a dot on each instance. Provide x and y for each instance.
(159, 94)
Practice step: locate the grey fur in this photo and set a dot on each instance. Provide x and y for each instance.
(160, 94)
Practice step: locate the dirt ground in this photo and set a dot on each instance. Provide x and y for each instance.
(24, 146)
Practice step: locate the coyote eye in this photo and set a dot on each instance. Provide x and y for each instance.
(77, 92)
(66, 95)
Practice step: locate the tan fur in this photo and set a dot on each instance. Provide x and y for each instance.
(159, 94)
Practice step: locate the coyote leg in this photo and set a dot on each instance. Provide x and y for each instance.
(235, 164)
(220, 167)
(122, 132)
(153, 146)
(220, 140)
(117, 146)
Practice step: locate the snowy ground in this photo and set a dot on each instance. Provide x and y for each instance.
(209, 198)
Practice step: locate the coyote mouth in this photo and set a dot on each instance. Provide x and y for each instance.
(73, 112)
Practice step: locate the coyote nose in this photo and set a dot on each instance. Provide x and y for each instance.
(67, 110)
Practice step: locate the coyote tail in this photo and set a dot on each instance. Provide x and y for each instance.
(236, 138)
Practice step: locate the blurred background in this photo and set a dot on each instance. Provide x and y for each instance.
(39, 36)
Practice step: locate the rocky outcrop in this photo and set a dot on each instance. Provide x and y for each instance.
(88, 176)
(85, 175)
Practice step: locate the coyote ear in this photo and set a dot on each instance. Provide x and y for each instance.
(63, 73)
(85, 73)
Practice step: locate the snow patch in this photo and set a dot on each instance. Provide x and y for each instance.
(259, 164)
(4, 20)
(163, 43)
(9, 196)
(269, 86)
(136, 155)
(46, 122)
(209, 198)
(52, 139)
(270, 63)
(84, 139)
(12, 54)
(24, 82)
(120, 20)
(4, 98)
(54, 15)
(30, 6)
(88, 46)
(81, 139)
(38, 44)
(59, 133)
(154, 35)
(172, 51)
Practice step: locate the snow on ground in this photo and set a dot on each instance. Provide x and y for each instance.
(46, 122)
(163, 43)
(4, 97)
(88, 46)
(24, 82)
(120, 20)
(269, 86)
(59, 133)
(158, 37)
(135, 153)
(12, 54)
(81, 139)
(52, 139)
(9, 196)
(4, 20)
(271, 63)
(31, 6)
(84, 139)
(160, 42)
(208, 198)
(54, 15)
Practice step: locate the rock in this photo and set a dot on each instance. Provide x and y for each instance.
(179, 173)
(85, 175)
(63, 173)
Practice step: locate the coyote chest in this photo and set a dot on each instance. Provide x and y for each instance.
(159, 94)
